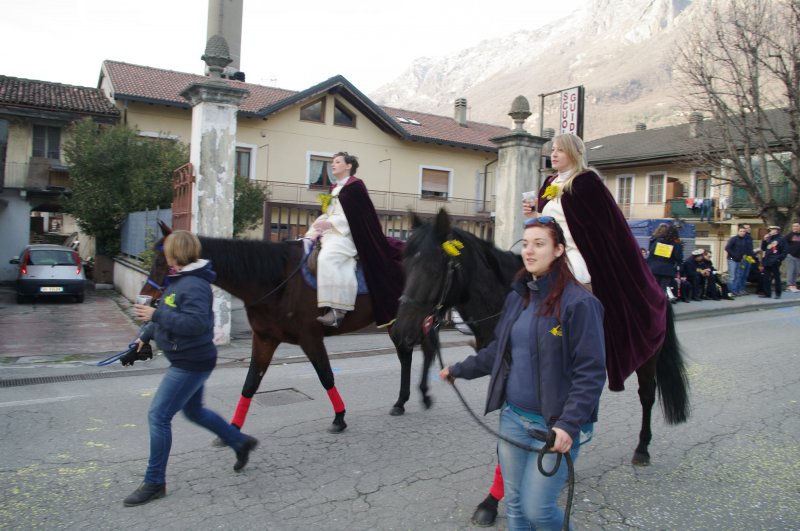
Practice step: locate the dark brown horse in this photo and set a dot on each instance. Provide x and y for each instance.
(282, 308)
(476, 281)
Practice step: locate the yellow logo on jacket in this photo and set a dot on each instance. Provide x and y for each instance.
(169, 300)
(556, 331)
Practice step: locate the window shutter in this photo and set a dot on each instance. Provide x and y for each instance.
(435, 181)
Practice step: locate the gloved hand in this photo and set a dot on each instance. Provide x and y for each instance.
(145, 353)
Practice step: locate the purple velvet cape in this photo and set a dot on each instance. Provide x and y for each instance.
(636, 309)
(381, 257)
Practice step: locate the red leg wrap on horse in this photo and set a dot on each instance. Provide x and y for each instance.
(336, 400)
(241, 411)
(497, 491)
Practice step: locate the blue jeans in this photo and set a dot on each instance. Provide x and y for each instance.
(531, 498)
(181, 390)
(738, 276)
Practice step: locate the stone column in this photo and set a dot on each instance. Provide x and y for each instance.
(519, 157)
(213, 157)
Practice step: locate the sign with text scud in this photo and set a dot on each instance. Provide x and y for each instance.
(571, 111)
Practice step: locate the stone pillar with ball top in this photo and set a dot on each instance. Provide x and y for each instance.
(215, 104)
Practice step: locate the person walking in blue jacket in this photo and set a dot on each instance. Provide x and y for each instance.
(547, 367)
(183, 328)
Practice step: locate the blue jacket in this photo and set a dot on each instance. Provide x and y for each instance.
(183, 323)
(737, 248)
(661, 266)
(569, 356)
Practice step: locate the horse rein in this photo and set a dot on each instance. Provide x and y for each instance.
(283, 283)
(549, 440)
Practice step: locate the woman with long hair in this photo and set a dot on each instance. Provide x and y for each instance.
(547, 367)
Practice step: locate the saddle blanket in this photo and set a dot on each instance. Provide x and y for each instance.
(311, 280)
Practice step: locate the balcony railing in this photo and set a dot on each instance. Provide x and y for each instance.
(386, 202)
(39, 173)
(778, 191)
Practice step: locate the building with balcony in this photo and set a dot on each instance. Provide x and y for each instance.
(653, 174)
(285, 141)
(34, 116)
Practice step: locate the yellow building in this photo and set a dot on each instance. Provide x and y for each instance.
(286, 140)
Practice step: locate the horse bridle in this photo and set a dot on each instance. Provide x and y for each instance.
(433, 319)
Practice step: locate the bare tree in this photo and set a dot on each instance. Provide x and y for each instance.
(741, 67)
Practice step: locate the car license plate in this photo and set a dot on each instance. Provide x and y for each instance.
(57, 289)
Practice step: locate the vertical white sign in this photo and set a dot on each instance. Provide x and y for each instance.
(570, 112)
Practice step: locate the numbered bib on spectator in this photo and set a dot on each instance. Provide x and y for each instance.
(663, 250)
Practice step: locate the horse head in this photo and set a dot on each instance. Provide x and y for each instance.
(156, 277)
(429, 259)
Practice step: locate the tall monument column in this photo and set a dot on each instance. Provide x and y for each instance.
(213, 157)
(518, 160)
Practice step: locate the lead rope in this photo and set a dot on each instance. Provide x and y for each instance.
(549, 439)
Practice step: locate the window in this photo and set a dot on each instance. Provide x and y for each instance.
(702, 184)
(625, 193)
(46, 142)
(435, 183)
(313, 112)
(243, 156)
(655, 188)
(343, 116)
(319, 171)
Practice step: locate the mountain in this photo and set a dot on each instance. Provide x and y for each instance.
(619, 50)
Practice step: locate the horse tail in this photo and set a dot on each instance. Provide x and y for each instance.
(671, 377)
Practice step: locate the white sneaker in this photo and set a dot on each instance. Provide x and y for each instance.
(670, 295)
(794, 289)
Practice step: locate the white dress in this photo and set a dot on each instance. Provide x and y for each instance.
(577, 264)
(336, 264)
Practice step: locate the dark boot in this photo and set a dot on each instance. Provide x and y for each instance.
(486, 513)
(146, 492)
(243, 454)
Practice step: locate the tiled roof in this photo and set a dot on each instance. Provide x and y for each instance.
(45, 95)
(672, 142)
(433, 128)
(164, 86)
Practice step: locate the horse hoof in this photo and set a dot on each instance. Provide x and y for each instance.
(337, 427)
(427, 401)
(640, 459)
(485, 515)
(396, 411)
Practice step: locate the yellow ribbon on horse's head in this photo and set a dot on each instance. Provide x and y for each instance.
(452, 247)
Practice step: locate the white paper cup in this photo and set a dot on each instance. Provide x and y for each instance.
(144, 300)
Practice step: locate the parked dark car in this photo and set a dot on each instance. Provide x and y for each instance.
(45, 270)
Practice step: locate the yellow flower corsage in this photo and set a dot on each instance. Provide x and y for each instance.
(556, 331)
(452, 247)
(324, 201)
(550, 192)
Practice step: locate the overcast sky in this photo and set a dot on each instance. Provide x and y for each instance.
(289, 44)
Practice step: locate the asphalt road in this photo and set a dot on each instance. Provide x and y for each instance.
(73, 449)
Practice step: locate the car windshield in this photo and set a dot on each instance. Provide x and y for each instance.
(51, 258)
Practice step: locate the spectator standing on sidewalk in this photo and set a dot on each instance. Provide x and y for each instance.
(773, 248)
(792, 242)
(739, 249)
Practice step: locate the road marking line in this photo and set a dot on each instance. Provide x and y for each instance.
(40, 401)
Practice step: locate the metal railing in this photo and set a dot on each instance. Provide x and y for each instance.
(390, 202)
